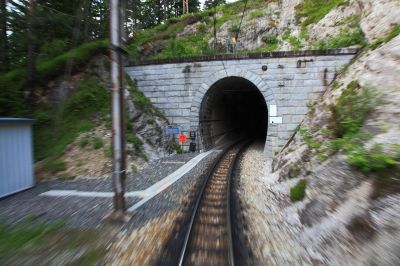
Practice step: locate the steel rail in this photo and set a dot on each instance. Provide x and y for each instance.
(195, 213)
(229, 219)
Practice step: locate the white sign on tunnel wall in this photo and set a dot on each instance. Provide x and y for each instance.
(272, 110)
(273, 119)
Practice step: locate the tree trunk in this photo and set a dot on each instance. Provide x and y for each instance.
(87, 20)
(215, 28)
(4, 52)
(32, 43)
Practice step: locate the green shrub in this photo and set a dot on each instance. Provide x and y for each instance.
(202, 28)
(344, 129)
(11, 94)
(138, 97)
(54, 165)
(83, 142)
(271, 39)
(271, 44)
(89, 101)
(53, 48)
(314, 10)
(345, 38)
(298, 191)
(295, 43)
(347, 118)
(54, 67)
(90, 97)
(192, 45)
(373, 160)
(286, 34)
(178, 149)
(43, 116)
(13, 83)
(141, 101)
(335, 84)
(304, 33)
(306, 135)
(256, 14)
(97, 143)
(234, 28)
(132, 138)
(191, 18)
(351, 109)
(353, 21)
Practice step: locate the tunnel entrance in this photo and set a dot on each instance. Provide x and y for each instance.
(232, 107)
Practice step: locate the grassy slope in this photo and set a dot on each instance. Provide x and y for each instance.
(14, 83)
(33, 241)
(163, 42)
(164, 36)
(57, 126)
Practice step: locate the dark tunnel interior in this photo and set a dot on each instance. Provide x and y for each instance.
(232, 107)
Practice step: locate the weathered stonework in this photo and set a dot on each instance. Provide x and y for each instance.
(291, 81)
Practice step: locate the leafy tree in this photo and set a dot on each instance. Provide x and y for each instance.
(4, 51)
(194, 6)
(213, 3)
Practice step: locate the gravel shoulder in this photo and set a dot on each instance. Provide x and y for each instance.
(272, 239)
(80, 212)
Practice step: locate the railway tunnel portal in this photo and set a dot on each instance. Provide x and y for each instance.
(257, 95)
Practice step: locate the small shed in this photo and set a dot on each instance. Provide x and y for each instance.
(16, 155)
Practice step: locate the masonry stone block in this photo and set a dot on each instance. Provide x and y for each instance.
(172, 93)
(297, 118)
(174, 112)
(184, 105)
(286, 110)
(301, 110)
(318, 89)
(313, 82)
(176, 99)
(298, 96)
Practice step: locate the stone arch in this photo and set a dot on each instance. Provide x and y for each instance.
(208, 82)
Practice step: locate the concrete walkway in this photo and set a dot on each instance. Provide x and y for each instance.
(146, 194)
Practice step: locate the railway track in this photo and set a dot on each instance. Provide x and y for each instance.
(209, 238)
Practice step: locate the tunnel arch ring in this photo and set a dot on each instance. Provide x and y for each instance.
(264, 89)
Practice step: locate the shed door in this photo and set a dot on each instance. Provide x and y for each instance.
(16, 158)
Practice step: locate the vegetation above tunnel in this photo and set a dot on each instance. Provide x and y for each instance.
(193, 34)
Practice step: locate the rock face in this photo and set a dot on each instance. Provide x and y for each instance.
(377, 17)
(148, 126)
(348, 215)
(144, 128)
(278, 19)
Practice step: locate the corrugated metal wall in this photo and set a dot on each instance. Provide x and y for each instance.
(16, 158)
